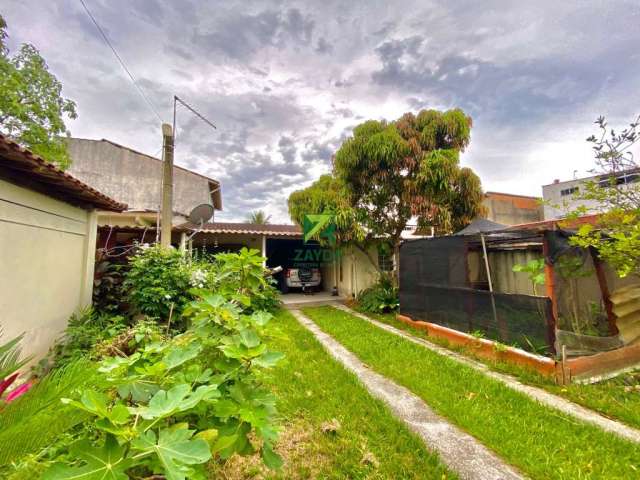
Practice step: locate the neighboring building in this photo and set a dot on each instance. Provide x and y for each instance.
(135, 178)
(510, 209)
(48, 223)
(561, 197)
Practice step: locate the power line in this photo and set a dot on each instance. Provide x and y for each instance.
(133, 80)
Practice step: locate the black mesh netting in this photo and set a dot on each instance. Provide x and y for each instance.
(435, 286)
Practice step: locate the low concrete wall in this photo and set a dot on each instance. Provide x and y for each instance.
(47, 251)
(585, 369)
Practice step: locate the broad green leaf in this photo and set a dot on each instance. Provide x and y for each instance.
(271, 458)
(249, 338)
(178, 399)
(261, 318)
(92, 402)
(214, 300)
(138, 388)
(268, 359)
(177, 356)
(175, 449)
(105, 463)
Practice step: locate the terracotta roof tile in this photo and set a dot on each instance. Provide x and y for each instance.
(23, 167)
(248, 228)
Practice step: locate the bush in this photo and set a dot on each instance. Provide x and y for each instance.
(107, 286)
(158, 277)
(379, 298)
(85, 329)
(241, 276)
(176, 402)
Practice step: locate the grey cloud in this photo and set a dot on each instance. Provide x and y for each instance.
(173, 49)
(239, 35)
(286, 83)
(323, 46)
(287, 149)
(151, 11)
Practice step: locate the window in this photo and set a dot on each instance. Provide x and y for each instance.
(385, 261)
(569, 191)
(607, 181)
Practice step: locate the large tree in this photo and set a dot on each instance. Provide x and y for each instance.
(328, 195)
(32, 108)
(615, 192)
(393, 171)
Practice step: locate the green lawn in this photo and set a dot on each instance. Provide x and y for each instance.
(618, 398)
(542, 442)
(315, 393)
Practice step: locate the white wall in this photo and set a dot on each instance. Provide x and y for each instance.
(47, 251)
(357, 272)
(557, 205)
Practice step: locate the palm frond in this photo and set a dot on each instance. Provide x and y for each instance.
(10, 356)
(38, 417)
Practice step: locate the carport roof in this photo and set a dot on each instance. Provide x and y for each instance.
(278, 230)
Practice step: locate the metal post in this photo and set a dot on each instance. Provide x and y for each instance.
(486, 262)
(167, 186)
(604, 291)
(502, 328)
(549, 282)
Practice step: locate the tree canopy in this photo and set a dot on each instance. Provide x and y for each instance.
(616, 193)
(393, 171)
(327, 195)
(32, 108)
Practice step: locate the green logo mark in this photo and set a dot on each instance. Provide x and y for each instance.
(319, 225)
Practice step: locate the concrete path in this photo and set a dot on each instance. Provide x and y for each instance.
(457, 449)
(538, 394)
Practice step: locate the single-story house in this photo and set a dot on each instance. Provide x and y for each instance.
(282, 245)
(48, 224)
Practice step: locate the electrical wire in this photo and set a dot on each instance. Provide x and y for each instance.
(133, 80)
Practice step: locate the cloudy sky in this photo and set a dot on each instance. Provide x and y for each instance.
(285, 82)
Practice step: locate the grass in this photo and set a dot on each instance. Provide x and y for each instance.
(617, 398)
(333, 428)
(542, 442)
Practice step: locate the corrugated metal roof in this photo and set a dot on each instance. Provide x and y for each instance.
(557, 222)
(22, 167)
(480, 225)
(247, 228)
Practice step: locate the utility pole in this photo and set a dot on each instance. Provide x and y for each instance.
(168, 145)
(167, 185)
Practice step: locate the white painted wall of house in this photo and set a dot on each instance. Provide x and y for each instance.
(47, 254)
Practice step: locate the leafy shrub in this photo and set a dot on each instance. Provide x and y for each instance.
(158, 278)
(173, 403)
(107, 286)
(176, 403)
(380, 297)
(85, 329)
(242, 277)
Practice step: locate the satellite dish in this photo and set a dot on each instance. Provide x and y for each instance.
(201, 214)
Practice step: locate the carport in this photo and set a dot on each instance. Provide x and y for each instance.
(282, 245)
